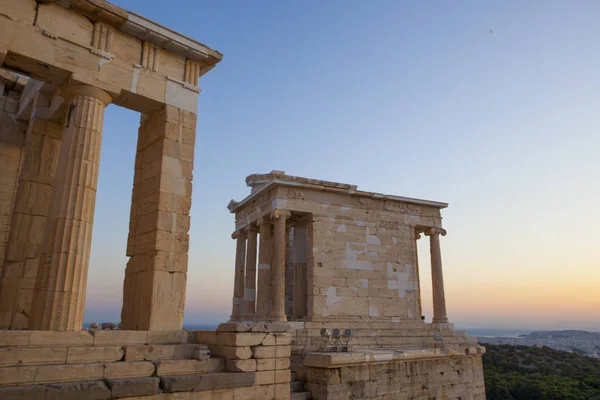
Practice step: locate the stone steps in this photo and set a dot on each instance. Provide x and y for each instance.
(129, 387)
(10, 356)
(297, 390)
(54, 373)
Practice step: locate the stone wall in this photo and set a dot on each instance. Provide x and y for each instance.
(428, 375)
(306, 336)
(361, 251)
(114, 364)
(262, 349)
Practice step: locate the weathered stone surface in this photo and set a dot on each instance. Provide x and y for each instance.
(30, 356)
(231, 352)
(60, 339)
(229, 338)
(118, 337)
(94, 354)
(204, 382)
(180, 383)
(29, 392)
(271, 377)
(125, 369)
(271, 351)
(183, 367)
(95, 390)
(14, 338)
(241, 365)
(269, 364)
(169, 337)
(17, 375)
(133, 386)
(68, 372)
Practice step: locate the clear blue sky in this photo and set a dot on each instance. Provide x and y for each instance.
(493, 107)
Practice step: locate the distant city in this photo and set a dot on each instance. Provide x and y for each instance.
(581, 342)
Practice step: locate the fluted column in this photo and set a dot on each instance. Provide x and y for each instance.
(437, 277)
(238, 282)
(59, 296)
(265, 256)
(31, 206)
(250, 285)
(278, 270)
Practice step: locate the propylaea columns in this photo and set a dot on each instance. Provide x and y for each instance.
(59, 297)
(156, 274)
(32, 203)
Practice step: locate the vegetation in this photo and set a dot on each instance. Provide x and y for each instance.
(539, 373)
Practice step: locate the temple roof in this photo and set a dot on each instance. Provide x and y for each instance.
(144, 29)
(261, 182)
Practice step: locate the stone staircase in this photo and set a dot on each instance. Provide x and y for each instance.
(112, 364)
(297, 390)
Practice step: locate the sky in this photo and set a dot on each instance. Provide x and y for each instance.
(493, 107)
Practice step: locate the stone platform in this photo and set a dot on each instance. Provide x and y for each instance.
(157, 365)
(429, 373)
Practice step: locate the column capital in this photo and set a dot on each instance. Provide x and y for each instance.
(435, 231)
(276, 214)
(251, 228)
(69, 91)
(265, 219)
(240, 233)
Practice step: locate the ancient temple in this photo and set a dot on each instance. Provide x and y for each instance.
(326, 299)
(341, 266)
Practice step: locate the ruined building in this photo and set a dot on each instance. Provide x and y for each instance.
(326, 294)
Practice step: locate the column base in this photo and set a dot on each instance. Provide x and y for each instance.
(277, 318)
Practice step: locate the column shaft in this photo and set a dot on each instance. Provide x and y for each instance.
(437, 277)
(156, 274)
(278, 270)
(265, 256)
(250, 287)
(32, 202)
(59, 297)
(238, 282)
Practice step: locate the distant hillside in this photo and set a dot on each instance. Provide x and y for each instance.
(580, 342)
(539, 373)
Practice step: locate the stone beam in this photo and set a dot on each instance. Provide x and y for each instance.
(98, 44)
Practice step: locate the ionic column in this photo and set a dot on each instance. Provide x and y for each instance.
(250, 287)
(265, 256)
(278, 271)
(417, 277)
(238, 282)
(437, 277)
(59, 296)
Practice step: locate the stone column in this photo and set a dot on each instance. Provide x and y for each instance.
(32, 203)
(437, 277)
(278, 270)
(61, 281)
(418, 299)
(265, 256)
(158, 243)
(250, 287)
(238, 281)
